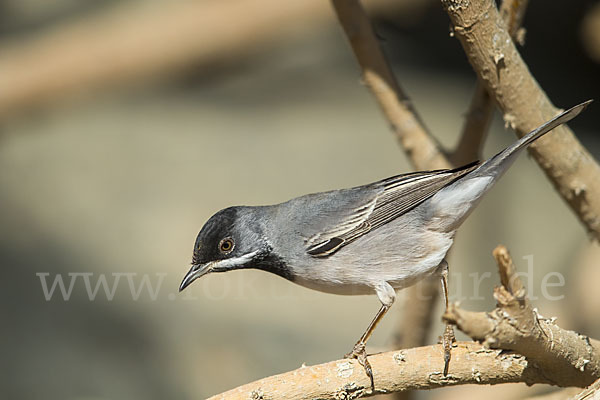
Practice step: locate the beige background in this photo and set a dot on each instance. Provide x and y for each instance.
(122, 180)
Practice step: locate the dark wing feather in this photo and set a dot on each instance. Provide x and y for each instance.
(399, 195)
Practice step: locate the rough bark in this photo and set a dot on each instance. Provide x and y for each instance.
(566, 358)
(499, 66)
(418, 368)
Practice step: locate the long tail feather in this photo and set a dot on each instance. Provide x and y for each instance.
(501, 161)
(454, 203)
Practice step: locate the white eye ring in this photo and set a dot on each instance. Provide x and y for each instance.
(226, 245)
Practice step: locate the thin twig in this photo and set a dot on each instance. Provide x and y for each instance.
(477, 122)
(422, 148)
(512, 13)
(499, 66)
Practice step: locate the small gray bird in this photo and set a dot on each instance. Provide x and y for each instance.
(375, 238)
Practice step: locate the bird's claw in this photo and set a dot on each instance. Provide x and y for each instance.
(447, 340)
(359, 353)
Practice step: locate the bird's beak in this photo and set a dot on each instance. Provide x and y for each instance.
(194, 273)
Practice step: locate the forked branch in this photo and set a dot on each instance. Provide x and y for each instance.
(566, 358)
(499, 66)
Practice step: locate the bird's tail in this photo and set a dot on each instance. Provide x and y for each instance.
(501, 161)
(451, 205)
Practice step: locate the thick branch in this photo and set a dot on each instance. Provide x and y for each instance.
(481, 109)
(493, 55)
(418, 368)
(566, 358)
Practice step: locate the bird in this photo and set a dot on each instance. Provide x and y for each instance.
(371, 239)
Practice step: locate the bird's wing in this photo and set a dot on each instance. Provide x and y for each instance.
(394, 197)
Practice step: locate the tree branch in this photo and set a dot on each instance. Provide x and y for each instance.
(418, 368)
(422, 148)
(475, 128)
(518, 346)
(481, 109)
(495, 59)
(566, 358)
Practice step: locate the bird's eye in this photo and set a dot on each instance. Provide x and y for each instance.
(226, 245)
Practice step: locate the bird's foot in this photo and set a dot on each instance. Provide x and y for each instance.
(447, 340)
(359, 353)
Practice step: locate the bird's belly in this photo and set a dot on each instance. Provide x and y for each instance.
(400, 253)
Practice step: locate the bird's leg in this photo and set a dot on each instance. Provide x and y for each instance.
(359, 351)
(448, 336)
(387, 295)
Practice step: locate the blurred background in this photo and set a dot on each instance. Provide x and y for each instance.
(124, 125)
